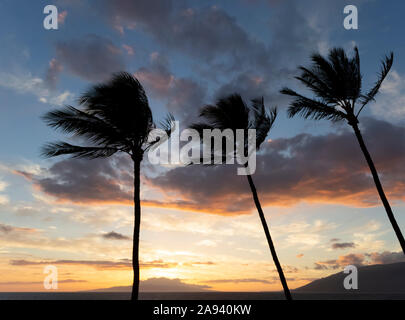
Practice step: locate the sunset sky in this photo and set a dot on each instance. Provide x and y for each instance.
(200, 230)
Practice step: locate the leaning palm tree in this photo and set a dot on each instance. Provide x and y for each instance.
(336, 83)
(115, 117)
(233, 113)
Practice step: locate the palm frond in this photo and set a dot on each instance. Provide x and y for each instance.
(123, 104)
(356, 72)
(336, 82)
(79, 123)
(335, 79)
(318, 81)
(217, 117)
(168, 126)
(63, 148)
(200, 126)
(386, 65)
(311, 108)
(231, 112)
(115, 116)
(262, 120)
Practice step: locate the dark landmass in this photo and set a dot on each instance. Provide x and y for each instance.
(376, 282)
(374, 279)
(215, 296)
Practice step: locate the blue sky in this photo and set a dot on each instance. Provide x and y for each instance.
(27, 49)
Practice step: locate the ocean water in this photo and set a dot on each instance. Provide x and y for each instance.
(196, 296)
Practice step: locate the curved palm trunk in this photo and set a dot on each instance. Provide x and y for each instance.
(269, 240)
(379, 187)
(137, 224)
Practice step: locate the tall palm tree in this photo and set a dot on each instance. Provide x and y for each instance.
(115, 117)
(336, 83)
(233, 113)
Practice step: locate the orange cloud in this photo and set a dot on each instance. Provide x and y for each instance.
(98, 264)
(129, 49)
(360, 259)
(327, 169)
(62, 17)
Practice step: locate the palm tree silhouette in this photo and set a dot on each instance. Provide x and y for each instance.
(336, 82)
(115, 117)
(233, 113)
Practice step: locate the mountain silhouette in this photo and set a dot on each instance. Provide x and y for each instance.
(380, 278)
(159, 285)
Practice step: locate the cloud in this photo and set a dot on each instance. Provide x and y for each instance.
(360, 259)
(210, 33)
(276, 62)
(62, 17)
(3, 198)
(303, 235)
(204, 33)
(193, 263)
(21, 83)
(29, 84)
(130, 51)
(249, 85)
(115, 236)
(91, 57)
(83, 181)
(302, 168)
(24, 283)
(10, 230)
(21, 237)
(127, 13)
(183, 96)
(52, 74)
(93, 263)
(341, 262)
(343, 245)
(3, 185)
(221, 48)
(289, 170)
(248, 280)
(390, 105)
(207, 243)
(99, 264)
(386, 257)
(203, 225)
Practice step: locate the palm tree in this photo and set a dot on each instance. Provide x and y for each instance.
(233, 113)
(115, 117)
(336, 83)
